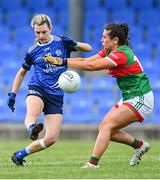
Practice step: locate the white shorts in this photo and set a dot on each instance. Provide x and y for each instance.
(141, 105)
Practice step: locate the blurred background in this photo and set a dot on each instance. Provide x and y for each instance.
(84, 21)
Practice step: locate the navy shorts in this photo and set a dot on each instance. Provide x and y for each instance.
(53, 104)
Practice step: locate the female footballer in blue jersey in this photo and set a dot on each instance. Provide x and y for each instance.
(44, 94)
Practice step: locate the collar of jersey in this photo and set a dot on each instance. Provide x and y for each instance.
(45, 43)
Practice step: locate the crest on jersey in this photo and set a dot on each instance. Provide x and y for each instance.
(58, 52)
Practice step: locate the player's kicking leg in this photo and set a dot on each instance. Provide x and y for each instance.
(53, 125)
(18, 156)
(34, 130)
(34, 107)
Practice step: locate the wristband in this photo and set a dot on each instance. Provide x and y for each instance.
(12, 94)
(65, 62)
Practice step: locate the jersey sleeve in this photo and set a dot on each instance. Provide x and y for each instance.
(71, 48)
(27, 62)
(102, 53)
(117, 58)
(68, 46)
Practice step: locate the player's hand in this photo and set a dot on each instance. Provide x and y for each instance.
(53, 60)
(70, 40)
(11, 100)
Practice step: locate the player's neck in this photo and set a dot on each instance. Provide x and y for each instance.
(49, 38)
(115, 47)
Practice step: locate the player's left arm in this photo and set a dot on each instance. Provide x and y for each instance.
(84, 47)
(72, 44)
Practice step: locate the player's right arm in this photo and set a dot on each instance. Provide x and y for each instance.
(92, 58)
(101, 54)
(16, 85)
(18, 80)
(21, 73)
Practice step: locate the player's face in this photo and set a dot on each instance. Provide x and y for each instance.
(42, 33)
(107, 42)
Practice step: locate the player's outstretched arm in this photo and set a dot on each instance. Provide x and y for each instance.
(97, 63)
(84, 47)
(59, 61)
(80, 46)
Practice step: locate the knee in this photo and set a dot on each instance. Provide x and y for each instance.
(49, 141)
(106, 126)
(32, 115)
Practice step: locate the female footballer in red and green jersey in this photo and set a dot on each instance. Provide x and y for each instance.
(119, 61)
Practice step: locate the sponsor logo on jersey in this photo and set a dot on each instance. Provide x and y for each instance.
(47, 49)
(52, 68)
(113, 55)
(48, 54)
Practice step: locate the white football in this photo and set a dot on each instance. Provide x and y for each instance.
(69, 81)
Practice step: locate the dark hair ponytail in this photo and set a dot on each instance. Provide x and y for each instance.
(125, 28)
(119, 30)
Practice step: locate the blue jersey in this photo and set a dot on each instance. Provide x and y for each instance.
(46, 74)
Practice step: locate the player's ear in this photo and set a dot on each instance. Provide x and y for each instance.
(115, 40)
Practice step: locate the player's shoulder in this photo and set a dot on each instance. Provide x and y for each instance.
(103, 52)
(33, 48)
(125, 49)
(57, 38)
(127, 52)
(36, 46)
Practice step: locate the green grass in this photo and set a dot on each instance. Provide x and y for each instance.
(64, 159)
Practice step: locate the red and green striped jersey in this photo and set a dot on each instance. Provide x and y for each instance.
(128, 71)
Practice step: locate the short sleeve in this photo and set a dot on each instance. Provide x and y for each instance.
(102, 53)
(68, 45)
(27, 62)
(68, 49)
(71, 48)
(117, 58)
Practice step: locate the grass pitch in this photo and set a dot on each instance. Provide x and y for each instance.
(64, 161)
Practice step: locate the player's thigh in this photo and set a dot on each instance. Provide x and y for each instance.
(119, 117)
(35, 105)
(53, 123)
(109, 112)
